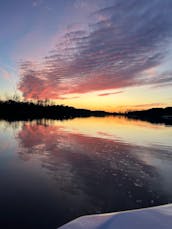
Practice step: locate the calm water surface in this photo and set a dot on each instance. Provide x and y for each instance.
(54, 171)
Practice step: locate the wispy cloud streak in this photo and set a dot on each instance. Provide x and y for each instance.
(110, 93)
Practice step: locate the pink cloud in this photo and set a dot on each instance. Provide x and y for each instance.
(112, 54)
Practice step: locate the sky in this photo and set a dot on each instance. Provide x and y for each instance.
(113, 55)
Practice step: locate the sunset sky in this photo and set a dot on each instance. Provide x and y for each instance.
(98, 54)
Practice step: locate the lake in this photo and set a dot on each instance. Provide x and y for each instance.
(54, 171)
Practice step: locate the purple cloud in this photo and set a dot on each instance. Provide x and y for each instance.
(123, 40)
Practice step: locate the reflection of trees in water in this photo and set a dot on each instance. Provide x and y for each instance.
(100, 175)
(4, 125)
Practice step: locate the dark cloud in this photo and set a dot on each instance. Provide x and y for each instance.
(110, 93)
(123, 41)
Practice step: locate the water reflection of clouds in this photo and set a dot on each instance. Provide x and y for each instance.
(132, 131)
(99, 174)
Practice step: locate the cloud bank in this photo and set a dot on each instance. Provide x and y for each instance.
(124, 40)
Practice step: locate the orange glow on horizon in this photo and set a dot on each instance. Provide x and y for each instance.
(135, 98)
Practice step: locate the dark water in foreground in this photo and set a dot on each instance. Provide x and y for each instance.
(52, 172)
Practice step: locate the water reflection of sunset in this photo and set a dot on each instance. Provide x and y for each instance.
(97, 144)
(95, 164)
(132, 131)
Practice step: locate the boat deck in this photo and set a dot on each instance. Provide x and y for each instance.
(148, 218)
